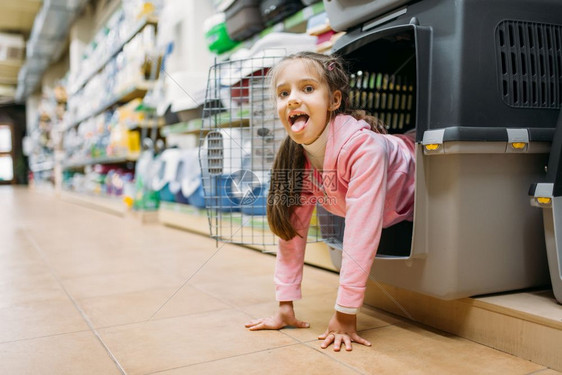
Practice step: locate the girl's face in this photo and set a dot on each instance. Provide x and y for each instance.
(303, 100)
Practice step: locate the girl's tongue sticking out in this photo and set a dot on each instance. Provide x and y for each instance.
(299, 123)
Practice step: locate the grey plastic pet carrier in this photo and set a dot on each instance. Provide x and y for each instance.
(484, 78)
(548, 196)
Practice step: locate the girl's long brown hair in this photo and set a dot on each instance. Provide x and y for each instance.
(284, 191)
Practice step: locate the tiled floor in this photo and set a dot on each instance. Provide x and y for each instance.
(86, 292)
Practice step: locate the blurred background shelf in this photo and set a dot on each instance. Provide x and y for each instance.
(42, 166)
(196, 126)
(150, 20)
(109, 204)
(135, 90)
(103, 160)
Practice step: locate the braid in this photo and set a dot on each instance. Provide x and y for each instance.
(284, 190)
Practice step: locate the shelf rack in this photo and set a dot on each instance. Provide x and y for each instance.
(9, 68)
(135, 90)
(295, 23)
(149, 20)
(42, 166)
(103, 160)
(112, 205)
(195, 126)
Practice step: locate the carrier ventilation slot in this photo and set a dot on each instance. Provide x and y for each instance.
(215, 153)
(530, 64)
(390, 98)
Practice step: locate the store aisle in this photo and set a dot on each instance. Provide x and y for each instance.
(86, 292)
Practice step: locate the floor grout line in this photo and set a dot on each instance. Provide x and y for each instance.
(161, 319)
(80, 311)
(43, 337)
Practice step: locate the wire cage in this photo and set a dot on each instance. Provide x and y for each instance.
(239, 139)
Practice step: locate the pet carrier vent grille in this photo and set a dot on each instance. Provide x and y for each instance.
(214, 153)
(388, 97)
(530, 64)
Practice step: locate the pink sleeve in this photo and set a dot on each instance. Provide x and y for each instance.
(290, 257)
(364, 162)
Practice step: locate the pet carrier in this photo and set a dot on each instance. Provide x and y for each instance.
(548, 196)
(187, 187)
(273, 11)
(243, 18)
(480, 81)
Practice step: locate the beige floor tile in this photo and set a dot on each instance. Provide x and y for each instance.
(171, 343)
(410, 349)
(126, 308)
(15, 245)
(250, 279)
(317, 311)
(290, 360)
(37, 319)
(189, 300)
(181, 263)
(75, 353)
(239, 291)
(29, 283)
(118, 283)
(546, 372)
(233, 261)
(21, 255)
(92, 263)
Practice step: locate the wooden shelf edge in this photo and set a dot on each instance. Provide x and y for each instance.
(113, 205)
(105, 160)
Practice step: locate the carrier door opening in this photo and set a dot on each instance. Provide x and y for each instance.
(383, 79)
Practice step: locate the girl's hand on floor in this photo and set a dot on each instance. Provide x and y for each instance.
(342, 329)
(284, 317)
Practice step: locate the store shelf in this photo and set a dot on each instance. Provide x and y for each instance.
(150, 20)
(104, 160)
(9, 71)
(110, 204)
(195, 220)
(295, 23)
(223, 120)
(11, 63)
(184, 216)
(135, 90)
(42, 166)
(147, 124)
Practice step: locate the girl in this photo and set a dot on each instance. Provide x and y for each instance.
(371, 184)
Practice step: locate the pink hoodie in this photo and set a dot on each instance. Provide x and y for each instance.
(369, 180)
